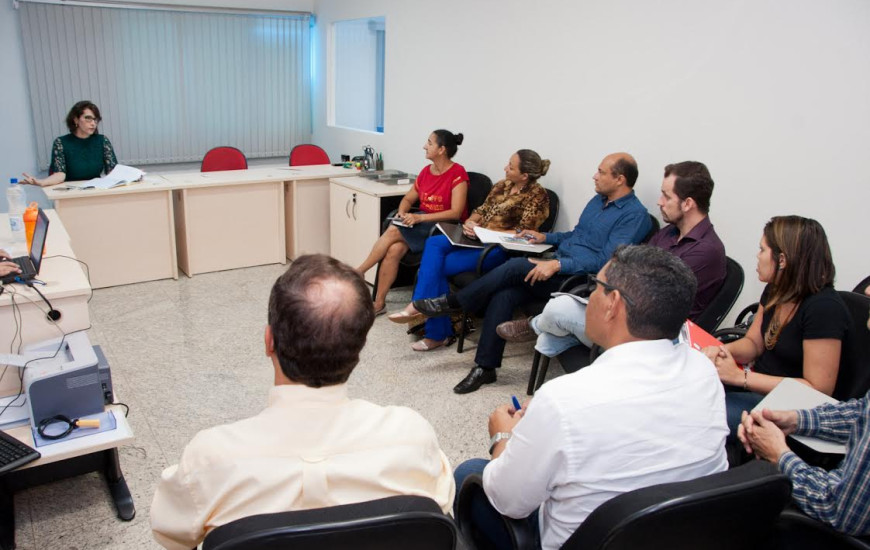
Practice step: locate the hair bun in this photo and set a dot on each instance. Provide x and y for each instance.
(459, 137)
(545, 166)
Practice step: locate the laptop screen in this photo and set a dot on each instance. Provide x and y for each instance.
(38, 243)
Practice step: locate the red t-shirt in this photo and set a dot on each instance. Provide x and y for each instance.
(436, 191)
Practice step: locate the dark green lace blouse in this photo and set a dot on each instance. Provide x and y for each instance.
(82, 159)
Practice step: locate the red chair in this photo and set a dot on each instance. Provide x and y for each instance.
(303, 155)
(223, 158)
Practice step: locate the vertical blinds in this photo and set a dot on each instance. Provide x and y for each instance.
(170, 85)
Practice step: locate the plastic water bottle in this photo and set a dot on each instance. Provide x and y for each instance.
(17, 204)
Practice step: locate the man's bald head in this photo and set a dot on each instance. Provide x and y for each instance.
(623, 164)
(320, 313)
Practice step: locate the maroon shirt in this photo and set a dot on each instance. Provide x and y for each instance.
(703, 252)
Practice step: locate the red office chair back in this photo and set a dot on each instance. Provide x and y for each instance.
(303, 155)
(223, 158)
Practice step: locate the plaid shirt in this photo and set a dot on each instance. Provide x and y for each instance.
(841, 497)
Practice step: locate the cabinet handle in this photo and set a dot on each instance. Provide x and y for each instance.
(354, 206)
(346, 205)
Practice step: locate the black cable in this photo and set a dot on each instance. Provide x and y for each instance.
(24, 366)
(87, 270)
(126, 408)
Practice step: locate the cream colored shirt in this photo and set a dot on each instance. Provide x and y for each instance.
(310, 448)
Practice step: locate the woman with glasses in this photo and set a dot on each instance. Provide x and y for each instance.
(82, 154)
(515, 203)
(800, 324)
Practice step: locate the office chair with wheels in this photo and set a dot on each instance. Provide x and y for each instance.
(797, 531)
(853, 378)
(724, 299)
(684, 515)
(397, 522)
(223, 158)
(307, 154)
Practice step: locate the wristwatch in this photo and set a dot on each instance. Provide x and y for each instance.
(499, 436)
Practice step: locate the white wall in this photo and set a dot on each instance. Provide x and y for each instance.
(770, 94)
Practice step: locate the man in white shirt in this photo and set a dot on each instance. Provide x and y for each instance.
(646, 412)
(312, 446)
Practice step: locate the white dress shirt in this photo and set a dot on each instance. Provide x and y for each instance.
(644, 413)
(310, 448)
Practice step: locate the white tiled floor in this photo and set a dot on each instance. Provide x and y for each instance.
(188, 354)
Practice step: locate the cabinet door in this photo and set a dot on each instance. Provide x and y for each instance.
(354, 225)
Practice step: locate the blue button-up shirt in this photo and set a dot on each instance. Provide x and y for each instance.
(841, 497)
(602, 227)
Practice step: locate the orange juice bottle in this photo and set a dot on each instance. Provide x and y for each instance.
(29, 216)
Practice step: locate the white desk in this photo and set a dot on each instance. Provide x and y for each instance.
(229, 219)
(66, 287)
(306, 206)
(125, 235)
(357, 208)
(200, 221)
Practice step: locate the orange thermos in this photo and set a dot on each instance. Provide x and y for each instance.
(29, 216)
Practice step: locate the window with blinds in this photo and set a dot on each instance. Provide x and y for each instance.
(170, 85)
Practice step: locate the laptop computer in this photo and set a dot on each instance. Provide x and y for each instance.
(30, 264)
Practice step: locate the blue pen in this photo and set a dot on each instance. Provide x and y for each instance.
(516, 402)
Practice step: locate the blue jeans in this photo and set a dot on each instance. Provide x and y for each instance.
(735, 403)
(440, 261)
(562, 325)
(486, 521)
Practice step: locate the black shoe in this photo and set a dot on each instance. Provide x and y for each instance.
(475, 379)
(435, 307)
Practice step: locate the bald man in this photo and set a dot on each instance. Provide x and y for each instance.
(312, 446)
(613, 217)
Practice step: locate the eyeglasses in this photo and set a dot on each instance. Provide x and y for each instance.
(593, 280)
(90, 118)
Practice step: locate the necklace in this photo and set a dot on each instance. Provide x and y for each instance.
(771, 336)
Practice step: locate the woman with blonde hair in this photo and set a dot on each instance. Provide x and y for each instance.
(515, 203)
(800, 324)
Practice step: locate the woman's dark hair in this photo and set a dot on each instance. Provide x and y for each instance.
(809, 266)
(448, 140)
(532, 165)
(320, 311)
(77, 110)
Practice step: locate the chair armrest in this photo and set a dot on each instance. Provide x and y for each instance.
(573, 282)
(482, 258)
(750, 309)
(522, 535)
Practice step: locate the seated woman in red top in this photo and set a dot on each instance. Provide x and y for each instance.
(800, 324)
(441, 188)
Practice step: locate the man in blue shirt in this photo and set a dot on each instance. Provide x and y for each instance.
(614, 217)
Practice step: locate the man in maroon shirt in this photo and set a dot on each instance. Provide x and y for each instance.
(689, 235)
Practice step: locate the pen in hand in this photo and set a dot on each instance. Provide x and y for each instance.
(516, 403)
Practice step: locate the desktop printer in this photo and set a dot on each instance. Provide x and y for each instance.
(64, 383)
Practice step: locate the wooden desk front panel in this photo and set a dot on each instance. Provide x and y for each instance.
(230, 226)
(306, 207)
(122, 241)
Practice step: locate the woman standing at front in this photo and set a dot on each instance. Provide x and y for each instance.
(83, 154)
(441, 188)
(800, 324)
